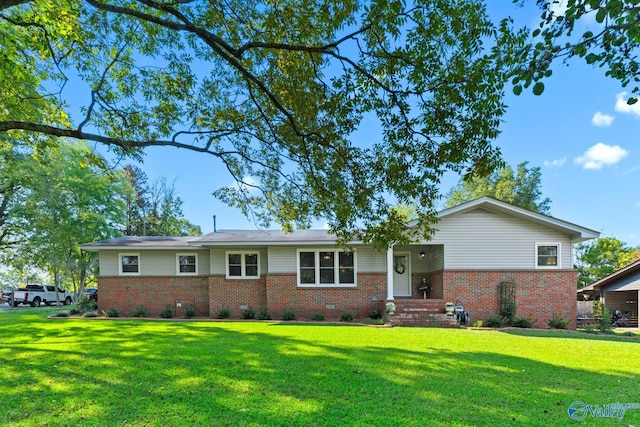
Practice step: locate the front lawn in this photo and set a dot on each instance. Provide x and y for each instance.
(157, 373)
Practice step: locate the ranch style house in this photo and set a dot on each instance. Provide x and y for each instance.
(477, 247)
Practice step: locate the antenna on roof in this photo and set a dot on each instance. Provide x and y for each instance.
(214, 224)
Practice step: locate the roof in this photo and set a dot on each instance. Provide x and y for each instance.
(577, 232)
(616, 275)
(321, 236)
(146, 242)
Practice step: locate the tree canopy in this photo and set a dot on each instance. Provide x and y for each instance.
(599, 258)
(274, 91)
(522, 188)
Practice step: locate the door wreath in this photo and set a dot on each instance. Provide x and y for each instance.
(400, 267)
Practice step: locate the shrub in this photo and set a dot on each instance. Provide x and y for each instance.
(61, 314)
(375, 314)
(223, 312)
(346, 316)
(318, 316)
(167, 313)
(477, 324)
(248, 314)
(140, 312)
(75, 310)
(112, 312)
(604, 321)
(91, 314)
(557, 322)
(495, 322)
(264, 314)
(523, 322)
(288, 314)
(189, 313)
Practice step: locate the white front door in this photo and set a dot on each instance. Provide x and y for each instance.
(401, 275)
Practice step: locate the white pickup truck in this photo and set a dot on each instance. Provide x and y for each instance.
(35, 295)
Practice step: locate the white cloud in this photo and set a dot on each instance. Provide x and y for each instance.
(558, 7)
(555, 163)
(602, 120)
(601, 155)
(623, 107)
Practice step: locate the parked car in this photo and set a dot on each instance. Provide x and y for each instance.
(35, 295)
(92, 294)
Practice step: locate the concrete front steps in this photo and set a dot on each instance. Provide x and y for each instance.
(421, 312)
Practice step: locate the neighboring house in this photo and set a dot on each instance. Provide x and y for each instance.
(476, 246)
(617, 291)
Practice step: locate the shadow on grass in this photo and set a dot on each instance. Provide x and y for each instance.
(579, 335)
(252, 374)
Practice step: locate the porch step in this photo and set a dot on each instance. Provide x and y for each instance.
(421, 312)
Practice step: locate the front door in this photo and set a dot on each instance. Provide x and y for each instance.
(401, 275)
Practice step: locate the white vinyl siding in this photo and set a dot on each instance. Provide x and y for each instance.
(485, 240)
(152, 263)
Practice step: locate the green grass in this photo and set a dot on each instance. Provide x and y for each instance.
(85, 372)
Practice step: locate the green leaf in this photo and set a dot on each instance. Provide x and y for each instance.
(602, 13)
(538, 88)
(517, 90)
(591, 58)
(632, 101)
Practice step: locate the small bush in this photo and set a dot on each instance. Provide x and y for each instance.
(140, 311)
(557, 322)
(375, 314)
(264, 314)
(75, 310)
(523, 322)
(248, 314)
(288, 314)
(477, 324)
(318, 316)
(189, 313)
(61, 314)
(495, 322)
(604, 321)
(111, 312)
(346, 316)
(223, 313)
(91, 314)
(167, 313)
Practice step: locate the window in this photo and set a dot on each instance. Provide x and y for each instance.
(547, 255)
(243, 265)
(326, 268)
(187, 264)
(129, 263)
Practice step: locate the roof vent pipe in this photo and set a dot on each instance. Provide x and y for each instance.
(214, 224)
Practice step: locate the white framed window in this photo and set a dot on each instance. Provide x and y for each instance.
(243, 265)
(187, 264)
(129, 263)
(548, 255)
(326, 268)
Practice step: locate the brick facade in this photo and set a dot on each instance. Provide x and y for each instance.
(539, 294)
(153, 293)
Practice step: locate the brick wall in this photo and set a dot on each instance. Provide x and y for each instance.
(236, 294)
(282, 292)
(153, 293)
(539, 294)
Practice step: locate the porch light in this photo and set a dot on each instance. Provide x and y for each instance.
(423, 255)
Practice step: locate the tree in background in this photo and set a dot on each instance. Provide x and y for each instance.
(275, 94)
(72, 197)
(599, 258)
(522, 188)
(154, 209)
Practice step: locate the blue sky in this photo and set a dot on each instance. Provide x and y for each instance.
(580, 132)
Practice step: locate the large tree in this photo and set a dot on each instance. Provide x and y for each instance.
(72, 198)
(601, 257)
(522, 188)
(274, 91)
